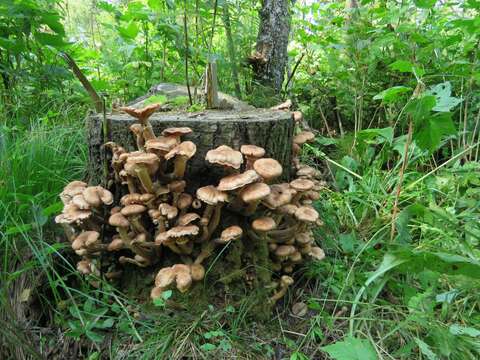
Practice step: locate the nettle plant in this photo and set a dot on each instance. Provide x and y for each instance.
(159, 221)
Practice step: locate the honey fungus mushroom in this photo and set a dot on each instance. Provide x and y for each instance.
(176, 133)
(252, 195)
(252, 153)
(285, 282)
(214, 199)
(225, 156)
(142, 115)
(143, 166)
(182, 153)
(268, 169)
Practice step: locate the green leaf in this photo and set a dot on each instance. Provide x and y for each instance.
(53, 22)
(425, 349)
(351, 349)
(50, 39)
(392, 94)
(421, 107)
(456, 329)
(95, 337)
(444, 101)
(208, 347)
(53, 209)
(402, 66)
(430, 132)
(370, 134)
(18, 229)
(425, 4)
(129, 32)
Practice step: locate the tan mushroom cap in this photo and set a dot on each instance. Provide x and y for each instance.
(176, 131)
(197, 271)
(253, 151)
(184, 201)
(177, 186)
(306, 171)
(97, 195)
(268, 168)
(80, 202)
(286, 280)
(211, 195)
(306, 214)
(264, 224)
(317, 253)
(236, 181)
(132, 210)
(186, 149)
(297, 116)
(71, 189)
(168, 210)
(141, 114)
(164, 277)
(302, 184)
(183, 276)
(84, 267)
(285, 250)
(231, 233)
(136, 198)
(116, 244)
(89, 237)
(187, 219)
(303, 137)
(281, 194)
(226, 156)
(304, 238)
(288, 209)
(161, 143)
(71, 214)
(118, 220)
(254, 192)
(150, 160)
(180, 231)
(136, 129)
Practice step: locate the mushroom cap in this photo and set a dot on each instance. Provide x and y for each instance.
(161, 143)
(211, 195)
(176, 131)
(164, 277)
(268, 168)
(236, 181)
(141, 114)
(180, 231)
(281, 194)
(253, 151)
(137, 129)
(97, 195)
(80, 202)
(132, 210)
(116, 244)
(168, 210)
(186, 149)
(303, 137)
(264, 224)
(288, 209)
(84, 267)
(231, 233)
(187, 219)
(255, 192)
(297, 116)
(296, 257)
(307, 214)
(88, 238)
(130, 199)
(183, 276)
(71, 189)
(162, 238)
(317, 253)
(286, 280)
(118, 220)
(285, 250)
(177, 186)
(197, 271)
(71, 213)
(184, 201)
(304, 238)
(226, 156)
(302, 184)
(306, 171)
(150, 160)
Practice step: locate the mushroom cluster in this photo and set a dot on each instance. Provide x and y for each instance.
(160, 222)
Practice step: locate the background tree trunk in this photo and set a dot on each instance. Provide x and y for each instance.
(270, 59)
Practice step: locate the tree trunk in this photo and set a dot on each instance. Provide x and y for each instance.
(270, 58)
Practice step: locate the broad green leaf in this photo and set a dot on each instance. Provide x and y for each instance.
(18, 229)
(456, 329)
(130, 31)
(425, 4)
(444, 102)
(370, 134)
(208, 347)
(421, 107)
(392, 94)
(402, 66)
(431, 130)
(50, 39)
(351, 349)
(95, 337)
(53, 22)
(425, 349)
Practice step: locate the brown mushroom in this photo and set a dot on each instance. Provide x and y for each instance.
(301, 186)
(183, 236)
(96, 196)
(237, 181)
(285, 282)
(225, 156)
(122, 225)
(252, 194)
(230, 234)
(251, 153)
(183, 277)
(182, 153)
(303, 137)
(176, 132)
(317, 253)
(134, 213)
(268, 169)
(142, 116)
(143, 166)
(280, 194)
(187, 219)
(137, 130)
(71, 189)
(214, 199)
(184, 202)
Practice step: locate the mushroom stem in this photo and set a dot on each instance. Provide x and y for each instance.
(161, 224)
(124, 235)
(207, 214)
(251, 208)
(185, 245)
(137, 225)
(215, 220)
(281, 235)
(132, 189)
(279, 294)
(124, 259)
(148, 133)
(206, 251)
(137, 248)
(145, 179)
(180, 166)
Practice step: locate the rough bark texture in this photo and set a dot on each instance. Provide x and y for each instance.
(272, 41)
(272, 130)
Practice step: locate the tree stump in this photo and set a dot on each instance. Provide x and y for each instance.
(270, 129)
(245, 266)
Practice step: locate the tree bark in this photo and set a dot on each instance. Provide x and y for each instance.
(270, 58)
